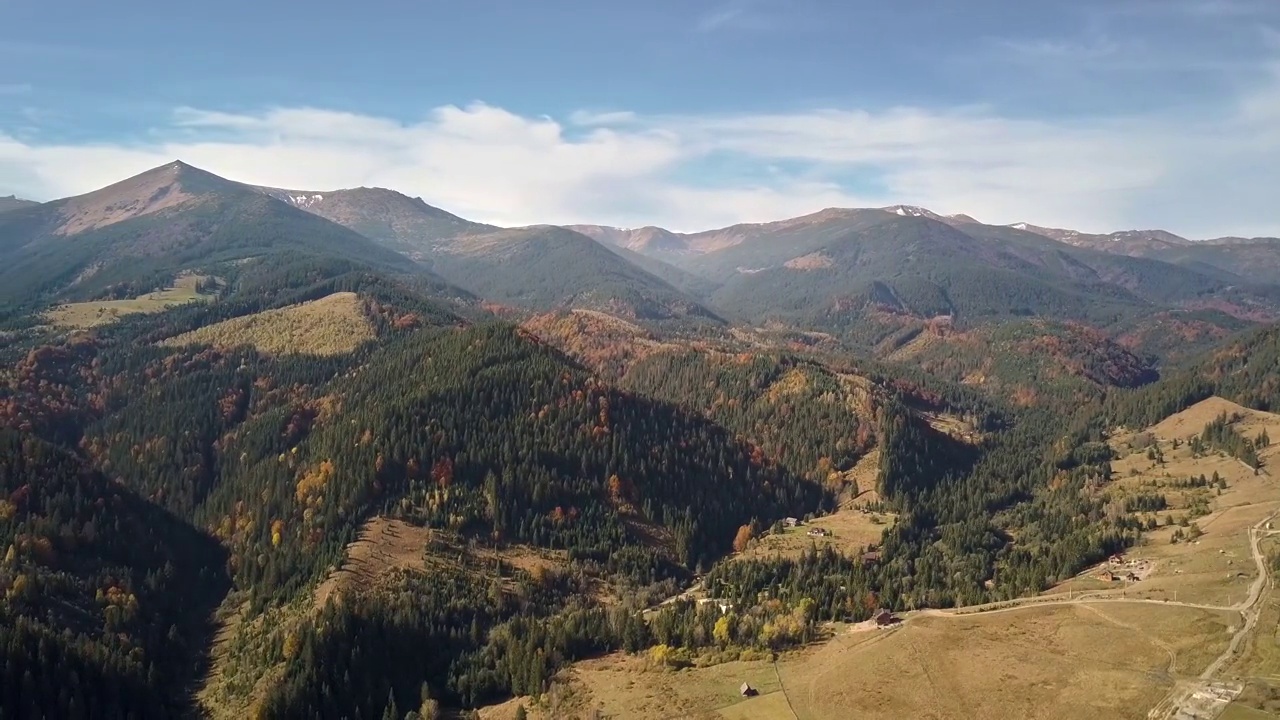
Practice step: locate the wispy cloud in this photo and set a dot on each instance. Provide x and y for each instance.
(588, 117)
(1207, 175)
(1070, 49)
(719, 18)
(1195, 8)
(15, 88)
(735, 15)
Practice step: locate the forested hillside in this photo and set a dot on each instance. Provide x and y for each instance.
(383, 499)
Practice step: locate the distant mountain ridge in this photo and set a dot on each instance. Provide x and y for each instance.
(387, 216)
(865, 272)
(537, 267)
(11, 202)
(876, 277)
(135, 235)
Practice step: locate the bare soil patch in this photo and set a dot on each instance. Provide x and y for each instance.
(383, 545)
(386, 544)
(812, 261)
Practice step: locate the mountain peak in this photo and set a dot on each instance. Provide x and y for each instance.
(408, 224)
(160, 188)
(13, 202)
(912, 211)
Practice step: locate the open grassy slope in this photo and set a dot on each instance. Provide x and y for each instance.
(330, 325)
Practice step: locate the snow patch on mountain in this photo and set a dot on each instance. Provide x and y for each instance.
(304, 201)
(911, 211)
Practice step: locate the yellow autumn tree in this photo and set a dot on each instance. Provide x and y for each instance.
(743, 537)
(660, 654)
(314, 480)
(292, 643)
(723, 631)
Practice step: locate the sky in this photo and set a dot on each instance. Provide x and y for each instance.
(1096, 115)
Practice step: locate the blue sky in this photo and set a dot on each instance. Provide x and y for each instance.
(1099, 114)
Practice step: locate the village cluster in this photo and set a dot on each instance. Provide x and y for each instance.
(791, 522)
(1121, 569)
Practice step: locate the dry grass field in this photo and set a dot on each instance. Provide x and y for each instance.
(1099, 661)
(1214, 568)
(329, 326)
(849, 530)
(1258, 664)
(103, 312)
(627, 687)
(1065, 661)
(1237, 711)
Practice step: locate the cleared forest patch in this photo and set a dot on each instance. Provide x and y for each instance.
(104, 312)
(329, 326)
(385, 544)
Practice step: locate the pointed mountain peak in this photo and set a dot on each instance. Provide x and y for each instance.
(160, 188)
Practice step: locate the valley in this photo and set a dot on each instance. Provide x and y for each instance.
(282, 453)
(1167, 644)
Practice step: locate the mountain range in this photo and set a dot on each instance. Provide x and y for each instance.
(869, 276)
(291, 453)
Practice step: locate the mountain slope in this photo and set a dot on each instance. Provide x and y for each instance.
(836, 274)
(134, 236)
(545, 267)
(539, 267)
(646, 240)
(871, 273)
(1029, 362)
(683, 280)
(1244, 260)
(406, 224)
(1243, 370)
(1127, 241)
(13, 203)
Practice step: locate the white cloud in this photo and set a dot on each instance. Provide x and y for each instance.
(1207, 175)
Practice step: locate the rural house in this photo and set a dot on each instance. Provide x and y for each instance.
(885, 618)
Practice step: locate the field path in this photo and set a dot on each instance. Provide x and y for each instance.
(1171, 705)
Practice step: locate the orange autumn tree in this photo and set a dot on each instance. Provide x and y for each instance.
(313, 481)
(442, 472)
(740, 541)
